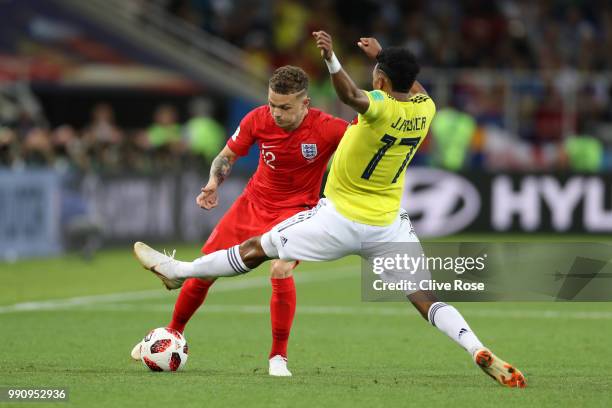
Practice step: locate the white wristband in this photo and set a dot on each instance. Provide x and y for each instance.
(333, 65)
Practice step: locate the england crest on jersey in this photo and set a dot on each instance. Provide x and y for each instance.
(309, 150)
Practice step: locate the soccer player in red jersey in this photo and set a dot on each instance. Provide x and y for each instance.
(295, 143)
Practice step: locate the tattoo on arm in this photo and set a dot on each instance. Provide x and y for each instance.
(220, 168)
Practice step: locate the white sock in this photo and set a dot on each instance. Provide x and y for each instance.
(226, 262)
(448, 320)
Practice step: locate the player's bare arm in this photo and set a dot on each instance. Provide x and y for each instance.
(345, 87)
(372, 48)
(219, 171)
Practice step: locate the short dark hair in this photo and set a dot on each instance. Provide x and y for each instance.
(288, 79)
(400, 65)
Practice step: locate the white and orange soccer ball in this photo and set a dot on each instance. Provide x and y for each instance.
(164, 349)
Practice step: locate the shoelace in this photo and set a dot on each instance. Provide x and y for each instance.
(171, 256)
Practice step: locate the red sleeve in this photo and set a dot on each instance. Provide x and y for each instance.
(334, 129)
(243, 138)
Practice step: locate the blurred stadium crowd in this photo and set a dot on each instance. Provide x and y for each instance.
(547, 55)
(506, 34)
(102, 145)
(519, 85)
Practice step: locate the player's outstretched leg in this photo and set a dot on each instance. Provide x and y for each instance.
(161, 264)
(448, 320)
(236, 260)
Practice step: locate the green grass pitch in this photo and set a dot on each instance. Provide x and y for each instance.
(70, 323)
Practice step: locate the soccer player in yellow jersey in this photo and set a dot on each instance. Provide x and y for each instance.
(362, 203)
(367, 174)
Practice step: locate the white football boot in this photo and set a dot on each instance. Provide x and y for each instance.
(135, 354)
(162, 265)
(278, 367)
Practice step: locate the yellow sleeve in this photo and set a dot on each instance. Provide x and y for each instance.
(378, 101)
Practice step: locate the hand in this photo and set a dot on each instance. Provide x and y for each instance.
(208, 197)
(324, 43)
(370, 46)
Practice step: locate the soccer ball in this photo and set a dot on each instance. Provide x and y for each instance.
(164, 349)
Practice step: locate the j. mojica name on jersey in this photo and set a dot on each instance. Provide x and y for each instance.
(408, 125)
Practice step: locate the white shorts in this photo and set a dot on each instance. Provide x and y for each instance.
(323, 234)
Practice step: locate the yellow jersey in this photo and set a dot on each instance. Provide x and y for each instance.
(366, 180)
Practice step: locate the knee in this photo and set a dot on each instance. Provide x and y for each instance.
(251, 247)
(281, 270)
(252, 253)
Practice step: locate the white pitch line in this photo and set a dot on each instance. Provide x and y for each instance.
(112, 302)
(224, 285)
(407, 311)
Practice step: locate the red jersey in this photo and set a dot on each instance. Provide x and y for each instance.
(291, 163)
